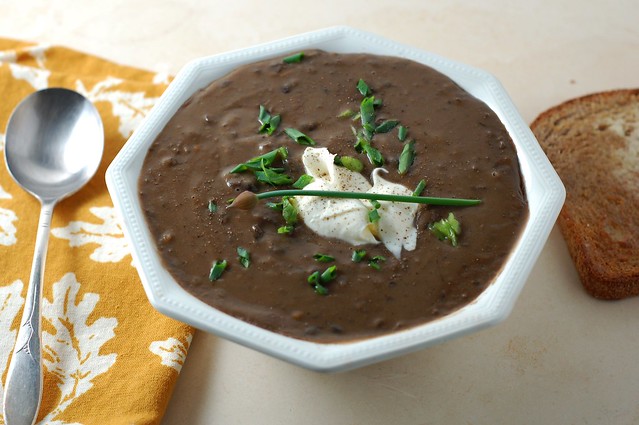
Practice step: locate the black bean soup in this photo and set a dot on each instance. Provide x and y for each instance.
(461, 150)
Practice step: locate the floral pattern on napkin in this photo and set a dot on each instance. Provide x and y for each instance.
(109, 357)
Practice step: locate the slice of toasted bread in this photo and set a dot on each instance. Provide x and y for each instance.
(593, 143)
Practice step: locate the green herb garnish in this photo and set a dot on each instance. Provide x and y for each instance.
(328, 274)
(346, 114)
(289, 211)
(268, 123)
(285, 230)
(244, 257)
(420, 187)
(296, 58)
(358, 255)
(256, 164)
(272, 176)
(247, 200)
(446, 229)
(363, 88)
(349, 162)
(386, 126)
(407, 157)
(402, 132)
(303, 181)
(217, 269)
(315, 279)
(367, 111)
(299, 137)
(212, 207)
(373, 215)
(323, 258)
(376, 261)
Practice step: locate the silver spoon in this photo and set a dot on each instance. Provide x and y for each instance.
(53, 146)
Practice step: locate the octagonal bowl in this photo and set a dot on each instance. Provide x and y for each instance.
(544, 190)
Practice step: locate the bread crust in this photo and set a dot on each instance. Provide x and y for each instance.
(593, 143)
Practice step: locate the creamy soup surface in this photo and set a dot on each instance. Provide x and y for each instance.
(462, 150)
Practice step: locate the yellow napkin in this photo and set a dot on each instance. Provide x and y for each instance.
(109, 357)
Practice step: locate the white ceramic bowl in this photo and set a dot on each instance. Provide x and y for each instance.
(543, 187)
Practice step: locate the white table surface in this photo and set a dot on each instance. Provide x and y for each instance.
(560, 358)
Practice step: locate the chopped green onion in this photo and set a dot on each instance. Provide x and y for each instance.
(323, 258)
(217, 269)
(315, 280)
(285, 230)
(296, 58)
(303, 181)
(402, 133)
(358, 255)
(375, 262)
(289, 211)
(349, 163)
(363, 88)
(367, 111)
(212, 207)
(255, 164)
(407, 157)
(328, 274)
(373, 215)
(268, 123)
(244, 257)
(346, 114)
(447, 229)
(420, 187)
(299, 137)
(272, 176)
(276, 206)
(386, 126)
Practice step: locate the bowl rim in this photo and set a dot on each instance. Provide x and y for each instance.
(490, 308)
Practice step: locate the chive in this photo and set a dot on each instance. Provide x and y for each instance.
(367, 111)
(363, 88)
(315, 281)
(349, 162)
(374, 155)
(447, 229)
(358, 255)
(373, 215)
(276, 206)
(386, 126)
(299, 137)
(458, 202)
(217, 269)
(328, 274)
(256, 164)
(420, 187)
(303, 181)
(212, 207)
(286, 230)
(323, 258)
(296, 58)
(268, 123)
(244, 257)
(407, 157)
(401, 133)
(346, 114)
(272, 177)
(289, 210)
(375, 262)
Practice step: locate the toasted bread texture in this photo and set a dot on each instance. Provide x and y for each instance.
(593, 143)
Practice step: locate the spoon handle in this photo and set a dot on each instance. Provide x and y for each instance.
(23, 389)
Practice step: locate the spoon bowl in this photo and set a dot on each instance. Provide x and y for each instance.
(53, 146)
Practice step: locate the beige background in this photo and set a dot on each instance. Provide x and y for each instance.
(561, 357)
